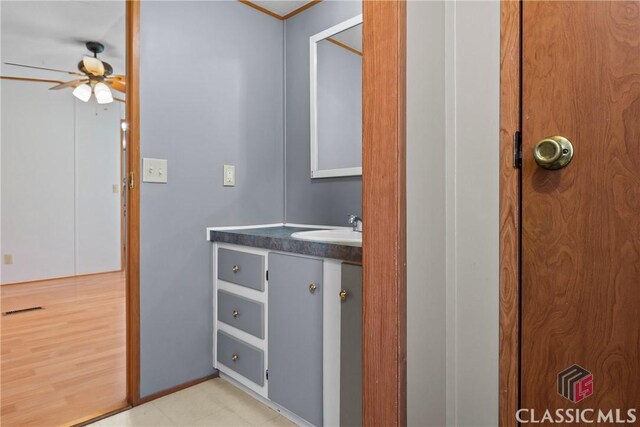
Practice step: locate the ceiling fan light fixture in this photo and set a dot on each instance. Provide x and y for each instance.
(82, 92)
(93, 66)
(103, 93)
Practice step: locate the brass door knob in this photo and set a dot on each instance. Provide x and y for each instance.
(234, 357)
(343, 295)
(235, 269)
(235, 314)
(553, 152)
(312, 287)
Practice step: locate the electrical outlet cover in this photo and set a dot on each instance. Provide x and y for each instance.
(229, 176)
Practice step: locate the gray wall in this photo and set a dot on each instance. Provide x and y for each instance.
(317, 201)
(211, 94)
(426, 215)
(452, 213)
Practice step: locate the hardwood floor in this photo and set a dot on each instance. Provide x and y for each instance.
(66, 363)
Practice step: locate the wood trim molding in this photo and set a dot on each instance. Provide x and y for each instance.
(301, 9)
(179, 387)
(29, 79)
(87, 421)
(344, 46)
(384, 210)
(261, 9)
(509, 359)
(76, 276)
(281, 17)
(133, 207)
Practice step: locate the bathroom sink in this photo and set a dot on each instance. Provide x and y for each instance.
(338, 237)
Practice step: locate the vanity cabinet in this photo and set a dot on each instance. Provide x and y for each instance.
(242, 268)
(295, 334)
(240, 346)
(281, 329)
(245, 359)
(351, 346)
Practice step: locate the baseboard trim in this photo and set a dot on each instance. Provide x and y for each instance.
(179, 387)
(50, 279)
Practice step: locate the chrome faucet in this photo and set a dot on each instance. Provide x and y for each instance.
(353, 220)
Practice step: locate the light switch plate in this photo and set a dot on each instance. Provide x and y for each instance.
(229, 176)
(154, 170)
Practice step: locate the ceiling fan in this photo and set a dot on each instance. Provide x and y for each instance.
(96, 77)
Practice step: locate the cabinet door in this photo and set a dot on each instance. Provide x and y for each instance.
(295, 335)
(351, 347)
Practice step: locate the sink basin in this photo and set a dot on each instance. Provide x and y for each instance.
(338, 237)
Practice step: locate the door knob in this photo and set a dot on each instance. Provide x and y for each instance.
(343, 295)
(235, 314)
(235, 269)
(312, 287)
(553, 152)
(234, 357)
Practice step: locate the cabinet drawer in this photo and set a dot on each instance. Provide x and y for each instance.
(241, 268)
(242, 313)
(243, 358)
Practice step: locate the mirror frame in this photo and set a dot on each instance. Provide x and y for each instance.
(313, 100)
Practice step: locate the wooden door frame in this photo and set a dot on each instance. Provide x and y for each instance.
(510, 215)
(133, 200)
(384, 346)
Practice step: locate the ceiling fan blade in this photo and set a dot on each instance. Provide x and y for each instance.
(29, 79)
(72, 83)
(93, 66)
(73, 73)
(117, 83)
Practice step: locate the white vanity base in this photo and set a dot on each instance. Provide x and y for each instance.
(282, 411)
(330, 337)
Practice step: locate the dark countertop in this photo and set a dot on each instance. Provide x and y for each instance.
(279, 239)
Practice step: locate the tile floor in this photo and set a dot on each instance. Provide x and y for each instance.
(211, 403)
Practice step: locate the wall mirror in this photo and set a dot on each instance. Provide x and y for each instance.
(336, 100)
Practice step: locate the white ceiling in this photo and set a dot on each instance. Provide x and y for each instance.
(352, 37)
(52, 34)
(281, 7)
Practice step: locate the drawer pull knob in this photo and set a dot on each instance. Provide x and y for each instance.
(235, 269)
(312, 288)
(235, 314)
(343, 295)
(234, 357)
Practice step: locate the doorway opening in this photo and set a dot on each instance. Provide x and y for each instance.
(65, 223)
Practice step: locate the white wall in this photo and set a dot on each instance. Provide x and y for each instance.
(465, 168)
(472, 204)
(37, 192)
(426, 219)
(60, 160)
(98, 212)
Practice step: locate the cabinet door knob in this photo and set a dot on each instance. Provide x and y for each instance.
(235, 314)
(235, 269)
(343, 295)
(312, 287)
(234, 357)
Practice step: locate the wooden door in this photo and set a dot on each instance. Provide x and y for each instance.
(581, 224)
